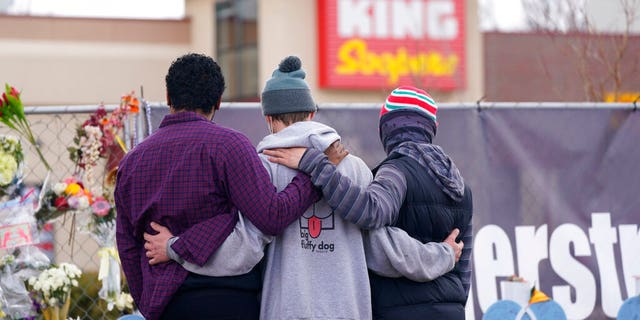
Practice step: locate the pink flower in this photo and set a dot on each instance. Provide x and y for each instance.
(70, 180)
(101, 207)
(15, 93)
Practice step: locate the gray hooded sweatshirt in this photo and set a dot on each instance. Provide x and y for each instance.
(316, 269)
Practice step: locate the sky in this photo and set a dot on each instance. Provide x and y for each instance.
(501, 15)
(505, 15)
(145, 9)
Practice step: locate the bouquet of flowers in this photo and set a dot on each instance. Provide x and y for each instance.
(94, 140)
(101, 131)
(12, 115)
(101, 225)
(69, 195)
(52, 289)
(11, 162)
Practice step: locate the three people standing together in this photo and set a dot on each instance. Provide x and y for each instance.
(208, 186)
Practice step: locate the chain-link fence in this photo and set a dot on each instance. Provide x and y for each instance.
(55, 129)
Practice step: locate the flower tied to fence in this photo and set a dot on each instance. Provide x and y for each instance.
(52, 288)
(99, 138)
(105, 255)
(12, 115)
(109, 275)
(64, 196)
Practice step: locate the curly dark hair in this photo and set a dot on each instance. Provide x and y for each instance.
(194, 81)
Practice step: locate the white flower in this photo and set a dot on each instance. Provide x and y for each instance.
(59, 188)
(124, 301)
(83, 203)
(6, 260)
(10, 144)
(52, 285)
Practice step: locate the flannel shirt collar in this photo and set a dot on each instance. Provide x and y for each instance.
(180, 117)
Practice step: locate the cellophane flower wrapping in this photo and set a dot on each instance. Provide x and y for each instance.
(14, 297)
(21, 259)
(104, 233)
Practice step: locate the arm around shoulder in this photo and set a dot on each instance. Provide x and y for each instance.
(239, 253)
(391, 252)
(368, 206)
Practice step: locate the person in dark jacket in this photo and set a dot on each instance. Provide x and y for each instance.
(416, 188)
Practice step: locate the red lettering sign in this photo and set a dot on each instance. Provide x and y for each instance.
(374, 44)
(15, 235)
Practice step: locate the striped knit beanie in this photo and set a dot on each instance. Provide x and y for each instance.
(410, 98)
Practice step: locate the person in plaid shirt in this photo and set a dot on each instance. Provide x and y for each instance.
(193, 176)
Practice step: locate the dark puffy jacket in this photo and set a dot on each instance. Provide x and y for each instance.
(427, 214)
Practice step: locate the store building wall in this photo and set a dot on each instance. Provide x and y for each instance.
(68, 61)
(529, 67)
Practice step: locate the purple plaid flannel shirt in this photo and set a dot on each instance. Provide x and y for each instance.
(193, 176)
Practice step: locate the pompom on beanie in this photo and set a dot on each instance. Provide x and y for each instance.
(287, 91)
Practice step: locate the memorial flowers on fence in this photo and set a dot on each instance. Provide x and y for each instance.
(86, 195)
(104, 128)
(52, 288)
(12, 115)
(69, 195)
(95, 138)
(102, 228)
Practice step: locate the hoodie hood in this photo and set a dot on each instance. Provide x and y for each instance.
(409, 133)
(309, 134)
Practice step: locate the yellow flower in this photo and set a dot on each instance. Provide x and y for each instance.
(72, 189)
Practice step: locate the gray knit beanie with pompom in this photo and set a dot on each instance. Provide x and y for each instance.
(287, 91)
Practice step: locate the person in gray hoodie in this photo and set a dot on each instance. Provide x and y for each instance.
(317, 268)
(417, 188)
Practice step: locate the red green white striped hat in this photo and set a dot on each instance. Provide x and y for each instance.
(408, 97)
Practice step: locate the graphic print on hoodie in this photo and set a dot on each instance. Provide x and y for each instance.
(312, 225)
